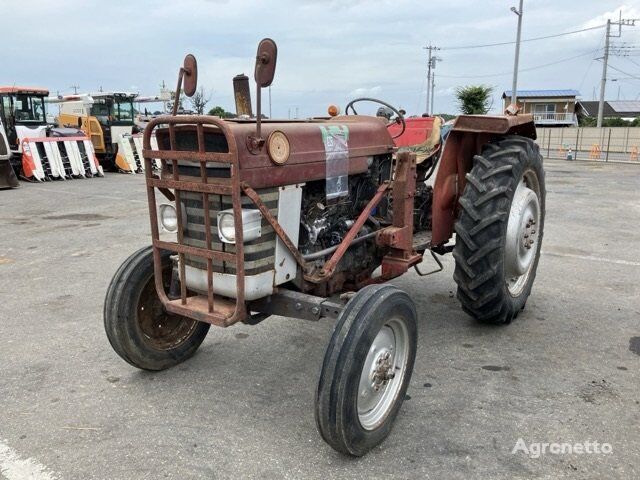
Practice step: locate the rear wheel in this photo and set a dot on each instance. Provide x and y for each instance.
(138, 327)
(499, 231)
(366, 369)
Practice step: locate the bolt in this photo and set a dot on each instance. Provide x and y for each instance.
(315, 310)
(530, 242)
(532, 232)
(526, 235)
(298, 306)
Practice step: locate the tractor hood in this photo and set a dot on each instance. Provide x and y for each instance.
(314, 146)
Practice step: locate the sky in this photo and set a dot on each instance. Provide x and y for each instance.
(328, 51)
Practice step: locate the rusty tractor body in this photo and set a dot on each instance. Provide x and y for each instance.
(310, 219)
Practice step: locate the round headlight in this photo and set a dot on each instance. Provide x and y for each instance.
(168, 217)
(278, 147)
(227, 228)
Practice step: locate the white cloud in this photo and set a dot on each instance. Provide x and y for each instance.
(329, 51)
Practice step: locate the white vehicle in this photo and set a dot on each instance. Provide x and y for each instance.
(7, 175)
(105, 117)
(39, 151)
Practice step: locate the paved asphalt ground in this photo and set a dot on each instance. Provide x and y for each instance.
(567, 370)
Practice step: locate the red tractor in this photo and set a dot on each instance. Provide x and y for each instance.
(310, 219)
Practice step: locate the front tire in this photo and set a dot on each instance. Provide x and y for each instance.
(499, 230)
(138, 327)
(366, 370)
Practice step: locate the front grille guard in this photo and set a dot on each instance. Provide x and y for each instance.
(214, 309)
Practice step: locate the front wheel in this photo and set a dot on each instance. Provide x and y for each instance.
(499, 231)
(366, 370)
(139, 329)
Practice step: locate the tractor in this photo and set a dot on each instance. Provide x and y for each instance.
(310, 219)
(104, 117)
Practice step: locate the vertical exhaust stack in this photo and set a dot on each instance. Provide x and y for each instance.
(242, 94)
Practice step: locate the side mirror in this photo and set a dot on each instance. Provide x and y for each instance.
(266, 62)
(264, 73)
(190, 75)
(187, 80)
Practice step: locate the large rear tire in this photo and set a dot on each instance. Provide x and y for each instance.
(499, 230)
(366, 370)
(138, 327)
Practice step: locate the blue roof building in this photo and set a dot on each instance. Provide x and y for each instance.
(550, 108)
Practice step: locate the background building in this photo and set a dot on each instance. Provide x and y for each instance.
(549, 107)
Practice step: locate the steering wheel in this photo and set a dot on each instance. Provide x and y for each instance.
(399, 118)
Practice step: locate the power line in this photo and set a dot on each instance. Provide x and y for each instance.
(591, 52)
(626, 73)
(590, 65)
(466, 47)
(634, 62)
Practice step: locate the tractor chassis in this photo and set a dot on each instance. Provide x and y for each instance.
(396, 238)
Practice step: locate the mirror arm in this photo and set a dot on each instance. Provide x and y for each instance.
(259, 114)
(176, 100)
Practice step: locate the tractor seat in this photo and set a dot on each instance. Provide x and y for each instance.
(422, 136)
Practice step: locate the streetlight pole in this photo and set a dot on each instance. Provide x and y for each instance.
(514, 86)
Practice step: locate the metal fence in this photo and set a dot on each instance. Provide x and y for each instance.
(607, 144)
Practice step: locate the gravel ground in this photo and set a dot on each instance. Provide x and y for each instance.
(567, 370)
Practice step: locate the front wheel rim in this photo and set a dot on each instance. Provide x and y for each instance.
(383, 373)
(160, 329)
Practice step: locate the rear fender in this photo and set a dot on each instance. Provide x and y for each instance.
(468, 135)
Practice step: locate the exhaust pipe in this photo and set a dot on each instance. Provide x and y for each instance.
(242, 94)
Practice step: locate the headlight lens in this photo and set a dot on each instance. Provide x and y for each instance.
(168, 217)
(226, 227)
(251, 225)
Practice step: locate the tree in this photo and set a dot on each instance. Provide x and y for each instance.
(172, 101)
(474, 99)
(219, 111)
(199, 100)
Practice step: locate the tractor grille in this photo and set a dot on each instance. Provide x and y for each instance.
(259, 254)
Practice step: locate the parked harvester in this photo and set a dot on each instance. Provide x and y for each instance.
(105, 117)
(7, 175)
(40, 151)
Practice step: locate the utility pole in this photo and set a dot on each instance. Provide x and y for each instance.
(603, 81)
(433, 88)
(434, 59)
(605, 58)
(514, 85)
(430, 66)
